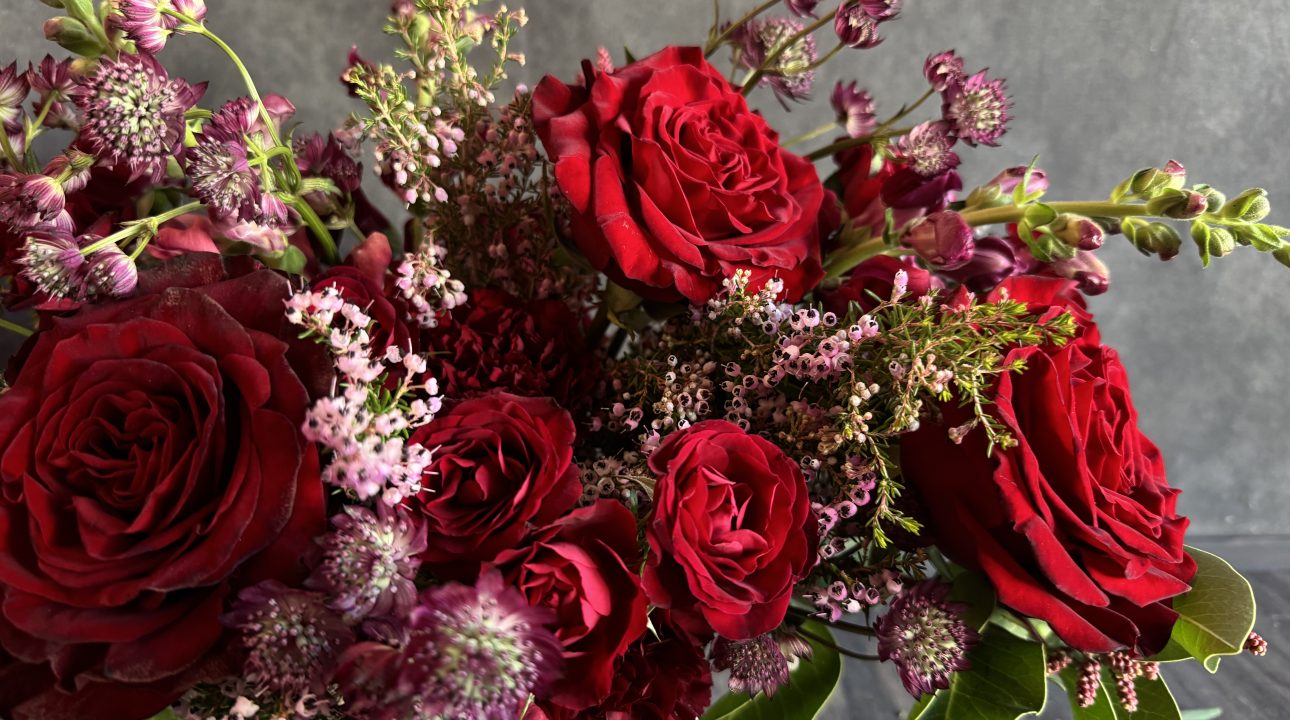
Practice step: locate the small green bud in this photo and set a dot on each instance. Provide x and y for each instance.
(1250, 206)
(1214, 199)
(1138, 233)
(72, 35)
(1165, 240)
(1178, 204)
(54, 3)
(1149, 181)
(1212, 241)
(1283, 255)
(985, 196)
(1261, 237)
(1077, 231)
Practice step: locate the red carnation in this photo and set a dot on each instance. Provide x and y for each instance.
(675, 183)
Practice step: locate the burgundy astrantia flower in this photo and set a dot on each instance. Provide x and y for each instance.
(756, 665)
(149, 27)
(33, 202)
(471, 652)
(854, 108)
(53, 261)
(13, 92)
(222, 177)
(498, 342)
(52, 82)
(923, 633)
(927, 149)
(944, 70)
(291, 638)
(977, 108)
(134, 114)
(790, 76)
(802, 8)
(369, 562)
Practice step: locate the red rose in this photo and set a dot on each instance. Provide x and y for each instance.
(876, 276)
(365, 282)
(665, 676)
(152, 465)
(675, 183)
(1076, 524)
(498, 342)
(583, 566)
(728, 530)
(500, 462)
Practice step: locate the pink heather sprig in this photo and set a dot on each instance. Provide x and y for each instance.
(428, 286)
(364, 425)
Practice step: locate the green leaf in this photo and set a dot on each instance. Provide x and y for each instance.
(1007, 679)
(1202, 714)
(628, 56)
(810, 685)
(166, 714)
(1155, 701)
(1215, 617)
(976, 592)
(931, 707)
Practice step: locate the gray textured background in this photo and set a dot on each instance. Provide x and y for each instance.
(1101, 87)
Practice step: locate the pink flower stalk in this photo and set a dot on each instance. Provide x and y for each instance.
(52, 82)
(927, 149)
(13, 91)
(791, 76)
(943, 239)
(292, 639)
(854, 109)
(924, 634)
(471, 652)
(977, 109)
(370, 562)
(134, 114)
(944, 70)
(146, 23)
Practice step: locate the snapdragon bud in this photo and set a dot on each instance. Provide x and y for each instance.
(1178, 204)
(1152, 238)
(1213, 198)
(1092, 275)
(1149, 181)
(1283, 255)
(1212, 241)
(1077, 231)
(71, 34)
(1250, 206)
(53, 3)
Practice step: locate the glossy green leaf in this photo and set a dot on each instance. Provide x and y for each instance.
(1215, 617)
(1007, 679)
(972, 589)
(931, 707)
(1202, 714)
(810, 685)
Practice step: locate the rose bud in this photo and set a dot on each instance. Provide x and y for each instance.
(943, 239)
(1087, 270)
(1250, 206)
(1078, 231)
(1178, 204)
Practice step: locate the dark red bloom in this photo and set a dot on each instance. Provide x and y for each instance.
(675, 183)
(364, 281)
(875, 276)
(498, 342)
(152, 465)
(1076, 525)
(500, 462)
(728, 530)
(584, 568)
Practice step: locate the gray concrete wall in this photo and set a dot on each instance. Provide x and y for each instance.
(1101, 87)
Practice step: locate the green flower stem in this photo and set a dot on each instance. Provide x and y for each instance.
(841, 262)
(15, 328)
(715, 43)
(9, 154)
(834, 646)
(133, 229)
(1013, 213)
(199, 29)
(882, 131)
(812, 134)
(316, 227)
(824, 59)
(751, 83)
(842, 625)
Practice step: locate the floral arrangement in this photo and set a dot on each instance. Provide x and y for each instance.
(637, 393)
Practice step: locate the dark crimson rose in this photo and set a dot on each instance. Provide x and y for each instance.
(365, 282)
(497, 341)
(501, 461)
(675, 183)
(584, 568)
(152, 465)
(876, 276)
(1076, 524)
(662, 677)
(728, 531)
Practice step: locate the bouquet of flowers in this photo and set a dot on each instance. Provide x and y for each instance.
(636, 394)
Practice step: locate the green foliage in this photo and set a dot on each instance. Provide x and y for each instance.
(1155, 700)
(1007, 681)
(810, 685)
(1215, 617)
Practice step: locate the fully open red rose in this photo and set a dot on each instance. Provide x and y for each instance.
(675, 183)
(152, 464)
(584, 567)
(1076, 524)
(499, 342)
(728, 530)
(500, 462)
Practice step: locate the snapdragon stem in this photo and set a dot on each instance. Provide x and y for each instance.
(1013, 213)
(751, 83)
(834, 646)
(138, 226)
(715, 43)
(15, 328)
(9, 154)
(316, 227)
(882, 131)
(812, 134)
